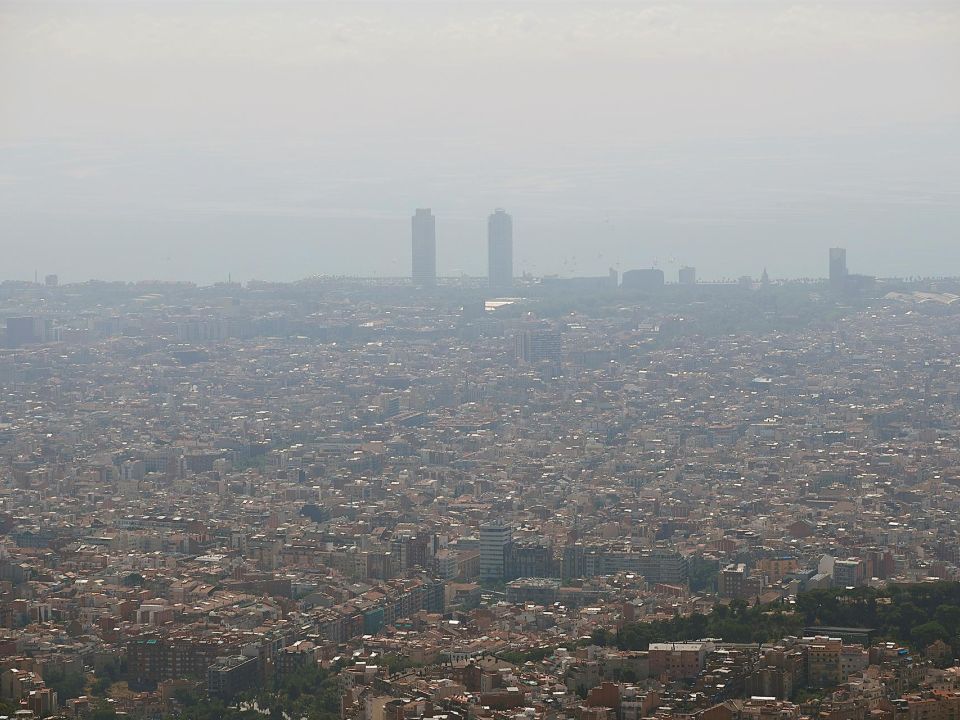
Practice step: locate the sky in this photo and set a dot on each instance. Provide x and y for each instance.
(186, 140)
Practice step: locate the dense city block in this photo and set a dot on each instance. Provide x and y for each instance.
(586, 498)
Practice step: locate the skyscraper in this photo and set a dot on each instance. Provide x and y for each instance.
(688, 275)
(500, 249)
(838, 265)
(495, 540)
(537, 345)
(424, 246)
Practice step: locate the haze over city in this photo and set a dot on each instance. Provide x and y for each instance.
(479, 360)
(197, 141)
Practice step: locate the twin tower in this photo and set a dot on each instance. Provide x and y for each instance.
(499, 249)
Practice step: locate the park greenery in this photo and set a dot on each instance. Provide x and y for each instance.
(310, 692)
(736, 622)
(915, 615)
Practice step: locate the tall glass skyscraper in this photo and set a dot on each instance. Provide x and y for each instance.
(838, 265)
(424, 246)
(500, 250)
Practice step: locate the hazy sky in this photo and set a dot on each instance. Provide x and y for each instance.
(275, 140)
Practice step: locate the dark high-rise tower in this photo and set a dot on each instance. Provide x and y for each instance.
(537, 345)
(838, 265)
(500, 250)
(424, 246)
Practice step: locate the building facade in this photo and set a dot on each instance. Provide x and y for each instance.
(500, 250)
(424, 247)
(838, 265)
(495, 540)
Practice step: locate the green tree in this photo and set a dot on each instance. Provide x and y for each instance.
(103, 713)
(134, 579)
(600, 637)
(101, 686)
(185, 697)
(66, 684)
(703, 573)
(949, 617)
(928, 632)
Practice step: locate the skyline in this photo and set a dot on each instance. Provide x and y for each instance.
(381, 243)
(178, 140)
(424, 248)
(423, 273)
